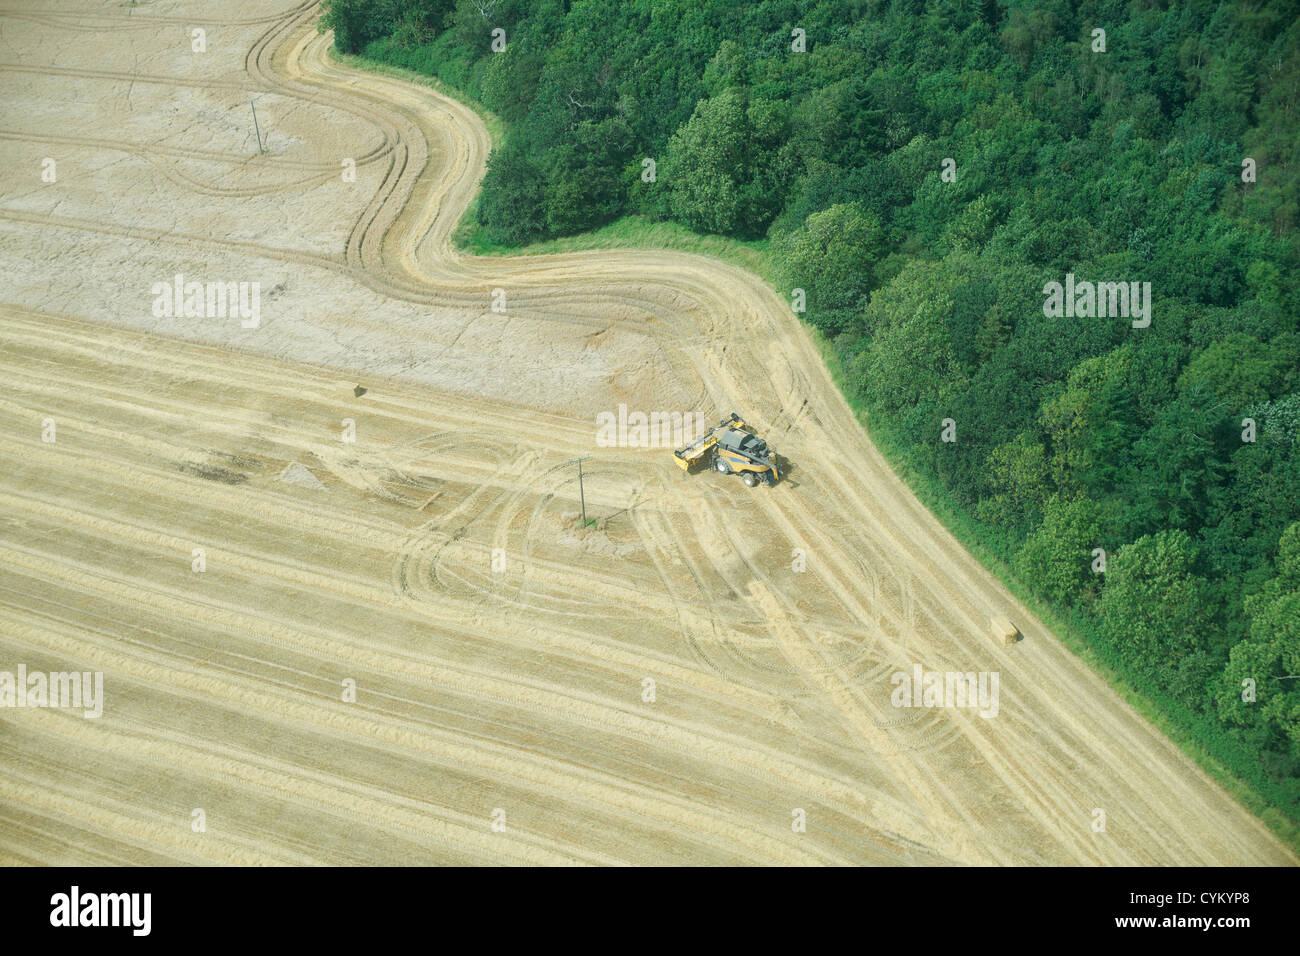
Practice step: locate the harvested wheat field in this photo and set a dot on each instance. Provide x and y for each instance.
(500, 654)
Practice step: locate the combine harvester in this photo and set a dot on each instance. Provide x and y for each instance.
(736, 450)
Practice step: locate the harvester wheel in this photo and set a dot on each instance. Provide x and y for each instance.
(750, 479)
(722, 466)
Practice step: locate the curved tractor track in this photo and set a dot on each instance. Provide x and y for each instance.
(500, 655)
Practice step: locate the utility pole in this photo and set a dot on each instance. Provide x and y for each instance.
(581, 496)
(256, 127)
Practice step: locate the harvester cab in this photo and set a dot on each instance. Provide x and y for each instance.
(732, 448)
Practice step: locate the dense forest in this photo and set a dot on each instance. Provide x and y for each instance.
(923, 171)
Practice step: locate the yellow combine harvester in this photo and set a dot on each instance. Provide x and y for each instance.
(733, 449)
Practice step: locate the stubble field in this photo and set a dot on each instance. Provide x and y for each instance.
(517, 688)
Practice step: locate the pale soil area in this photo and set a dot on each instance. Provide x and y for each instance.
(327, 561)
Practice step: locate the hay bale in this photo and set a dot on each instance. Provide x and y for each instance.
(1004, 632)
